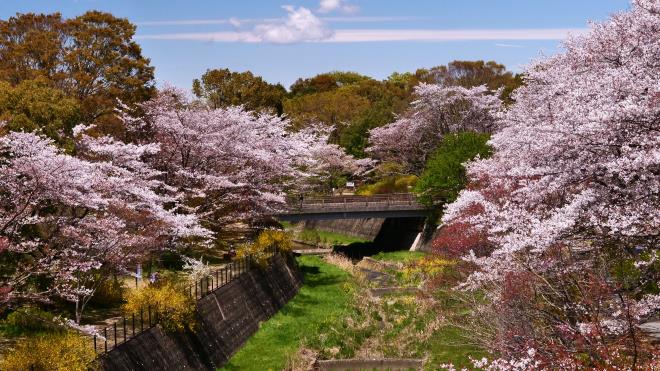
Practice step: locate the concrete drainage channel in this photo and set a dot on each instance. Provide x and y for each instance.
(369, 364)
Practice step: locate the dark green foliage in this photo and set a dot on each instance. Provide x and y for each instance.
(34, 106)
(28, 320)
(109, 293)
(444, 174)
(222, 88)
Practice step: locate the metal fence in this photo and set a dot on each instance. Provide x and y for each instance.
(129, 327)
(395, 201)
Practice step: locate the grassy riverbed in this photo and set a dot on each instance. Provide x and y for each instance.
(324, 296)
(331, 318)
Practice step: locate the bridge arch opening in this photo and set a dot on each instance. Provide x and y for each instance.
(398, 218)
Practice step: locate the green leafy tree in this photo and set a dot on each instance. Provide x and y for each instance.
(444, 175)
(335, 108)
(222, 88)
(34, 106)
(91, 58)
(326, 82)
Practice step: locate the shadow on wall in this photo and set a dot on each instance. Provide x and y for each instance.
(227, 318)
(396, 234)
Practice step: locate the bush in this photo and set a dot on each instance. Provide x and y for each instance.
(28, 320)
(176, 310)
(109, 293)
(391, 184)
(259, 249)
(444, 175)
(427, 268)
(66, 351)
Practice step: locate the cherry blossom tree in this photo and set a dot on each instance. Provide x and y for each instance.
(438, 110)
(230, 164)
(67, 223)
(570, 201)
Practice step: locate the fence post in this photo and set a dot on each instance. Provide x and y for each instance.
(141, 319)
(195, 290)
(105, 335)
(114, 327)
(124, 318)
(149, 313)
(217, 281)
(230, 269)
(94, 343)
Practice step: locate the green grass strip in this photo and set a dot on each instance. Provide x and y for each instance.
(324, 295)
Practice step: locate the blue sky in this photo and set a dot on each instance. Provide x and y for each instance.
(287, 39)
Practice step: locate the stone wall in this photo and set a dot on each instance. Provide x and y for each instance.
(362, 228)
(227, 318)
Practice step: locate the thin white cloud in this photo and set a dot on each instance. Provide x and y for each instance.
(354, 19)
(235, 22)
(183, 22)
(222, 36)
(293, 30)
(300, 25)
(502, 45)
(245, 21)
(327, 6)
(372, 35)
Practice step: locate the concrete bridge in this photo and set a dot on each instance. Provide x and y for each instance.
(397, 205)
(400, 219)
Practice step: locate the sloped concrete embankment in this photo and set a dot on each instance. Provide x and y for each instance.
(227, 318)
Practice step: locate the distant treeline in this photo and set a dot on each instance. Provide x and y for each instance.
(57, 72)
(349, 102)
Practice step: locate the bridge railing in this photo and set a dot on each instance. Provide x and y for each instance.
(348, 202)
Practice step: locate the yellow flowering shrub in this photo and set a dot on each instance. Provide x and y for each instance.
(60, 351)
(176, 310)
(259, 250)
(426, 268)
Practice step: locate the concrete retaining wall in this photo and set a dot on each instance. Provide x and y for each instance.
(227, 318)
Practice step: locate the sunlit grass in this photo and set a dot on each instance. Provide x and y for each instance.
(325, 295)
(403, 256)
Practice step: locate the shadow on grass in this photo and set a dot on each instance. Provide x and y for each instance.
(300, 308)
(309, 270)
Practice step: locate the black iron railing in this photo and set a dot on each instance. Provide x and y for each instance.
(127, 328)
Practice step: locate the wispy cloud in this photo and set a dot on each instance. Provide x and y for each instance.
(371, 35)
(501, 45)
(247, 21)
(300, 25)
(320, 34)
